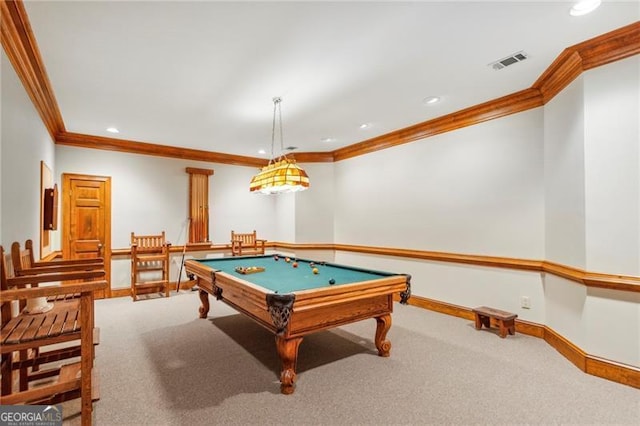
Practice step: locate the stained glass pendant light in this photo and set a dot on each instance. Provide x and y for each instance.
(282, 174)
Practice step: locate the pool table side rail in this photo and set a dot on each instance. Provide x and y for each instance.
(354, 303)
(344, 292)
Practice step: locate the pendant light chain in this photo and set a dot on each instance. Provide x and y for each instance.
(276, 101)
(276, 109)
(281, 134)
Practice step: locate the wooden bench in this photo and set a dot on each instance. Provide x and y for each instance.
(21, 334)
(24, 264)
(505, 321)
(242, 244)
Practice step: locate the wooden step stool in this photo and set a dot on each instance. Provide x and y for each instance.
(505, 321)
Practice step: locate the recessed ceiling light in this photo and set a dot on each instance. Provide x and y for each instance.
(112, 130)
(365, 125)
(431, 100)
(328, 139)
(262, 151)
(583, 7)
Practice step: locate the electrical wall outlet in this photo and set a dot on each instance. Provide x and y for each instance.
(525, 302)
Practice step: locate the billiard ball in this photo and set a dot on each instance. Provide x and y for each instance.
(286, 259)
(312, 264)
(294, 264)
(332, 281)
(314, 270)
(276, 258)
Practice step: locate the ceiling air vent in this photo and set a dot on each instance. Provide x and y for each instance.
(509, 60)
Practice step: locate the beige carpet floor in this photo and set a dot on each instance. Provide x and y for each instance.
(161, 365)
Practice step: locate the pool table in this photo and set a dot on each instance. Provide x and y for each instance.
(293, 301)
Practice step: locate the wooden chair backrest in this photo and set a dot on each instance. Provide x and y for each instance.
(6, 271)
(24, 263)
(247, 239)
(148, 243)
(21, 259)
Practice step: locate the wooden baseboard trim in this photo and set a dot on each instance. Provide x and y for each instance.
(567, 349)
(606, 369)
(611, 370)
(442, 307)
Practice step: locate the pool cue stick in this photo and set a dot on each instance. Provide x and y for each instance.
(184, 249)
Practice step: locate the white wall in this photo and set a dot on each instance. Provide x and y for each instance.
(314, 207)
(25, 142)
(612, 189)
(475, 190)
(285, 216)
(150, 194)
(307, 216)
(612, 169)
(564, 176)
(592, 179)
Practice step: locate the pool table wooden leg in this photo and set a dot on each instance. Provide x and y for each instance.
(288, 352)
(204, 308)
(384, 324)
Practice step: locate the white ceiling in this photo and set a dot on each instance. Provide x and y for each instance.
(203, 74)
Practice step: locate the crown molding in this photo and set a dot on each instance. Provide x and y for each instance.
(134, 147)
(506, 105)
(314, 157)
(610, 47)
(22, 50)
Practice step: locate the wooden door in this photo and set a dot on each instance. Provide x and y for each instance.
(86, 219)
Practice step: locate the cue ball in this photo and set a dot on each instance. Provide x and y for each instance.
(332, 281)
(294, 264)
(314, 270)
(312, 264)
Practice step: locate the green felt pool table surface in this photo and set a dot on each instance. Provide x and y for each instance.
(281, 277)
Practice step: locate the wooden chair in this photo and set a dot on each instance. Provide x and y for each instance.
(242, 244)
(149, 254)
(21, 333)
